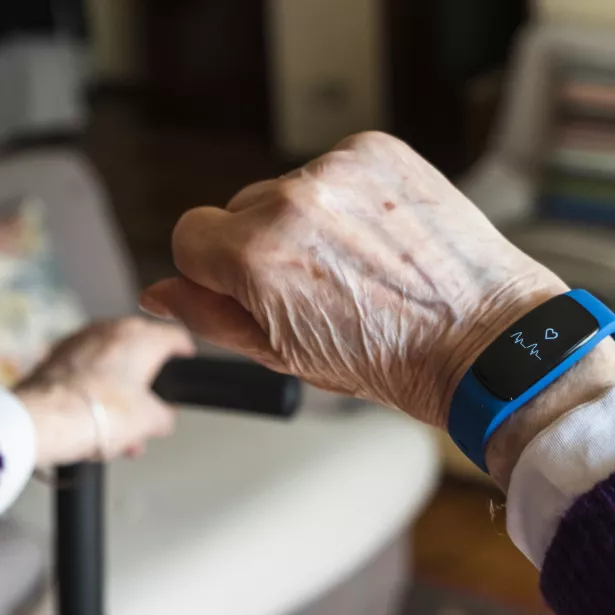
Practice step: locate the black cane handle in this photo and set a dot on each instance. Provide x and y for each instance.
(228, 384)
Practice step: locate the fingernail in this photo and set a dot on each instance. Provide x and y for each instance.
(151, 306)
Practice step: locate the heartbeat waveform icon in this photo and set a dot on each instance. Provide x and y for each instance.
(533, 348)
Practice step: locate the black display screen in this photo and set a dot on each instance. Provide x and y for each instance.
(528, 350)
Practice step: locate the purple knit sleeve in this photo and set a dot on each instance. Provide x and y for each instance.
(578, 574)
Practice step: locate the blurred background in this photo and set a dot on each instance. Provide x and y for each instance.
(124, 113)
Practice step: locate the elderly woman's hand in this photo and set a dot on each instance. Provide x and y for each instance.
(364, 272)
(114, 364)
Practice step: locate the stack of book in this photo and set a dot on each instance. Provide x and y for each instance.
(580, 178)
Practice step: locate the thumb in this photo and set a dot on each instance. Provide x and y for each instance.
(218, 319)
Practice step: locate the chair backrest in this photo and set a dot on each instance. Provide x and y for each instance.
(87, 245)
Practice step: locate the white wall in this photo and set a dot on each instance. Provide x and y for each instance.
(318, 42)
(594, 11)
(312, 44)
(115, 43)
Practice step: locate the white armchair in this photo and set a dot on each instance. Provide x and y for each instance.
(236, 515)
(506, 182)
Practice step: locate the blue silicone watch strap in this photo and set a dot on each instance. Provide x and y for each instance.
(476, 413)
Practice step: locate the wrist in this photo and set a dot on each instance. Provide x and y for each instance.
(61, 422)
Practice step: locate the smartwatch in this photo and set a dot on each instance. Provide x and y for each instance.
(521, 362)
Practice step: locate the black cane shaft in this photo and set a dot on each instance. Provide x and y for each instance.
(79, 541)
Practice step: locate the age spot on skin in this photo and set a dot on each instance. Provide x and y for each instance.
(318, 272)
(389, 205)
(405, 257)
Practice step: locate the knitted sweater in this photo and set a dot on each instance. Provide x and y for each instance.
(578, 573)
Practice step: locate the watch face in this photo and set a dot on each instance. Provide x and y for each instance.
(532, 347)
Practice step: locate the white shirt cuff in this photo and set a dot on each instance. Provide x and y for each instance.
(17, 448)
(561, 463)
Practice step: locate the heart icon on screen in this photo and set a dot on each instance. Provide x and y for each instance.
(551, 334)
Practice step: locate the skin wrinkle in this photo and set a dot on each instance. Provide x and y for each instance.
(363, 321)
(393, 246)
(369, 345)
(316, 337)
(358, 265)
(389, 242)
(441, 308)
(399, 348)
(335, 341)
(404, 293)
(342, 282)
(338, 341)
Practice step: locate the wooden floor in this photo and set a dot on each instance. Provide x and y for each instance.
(457, 544)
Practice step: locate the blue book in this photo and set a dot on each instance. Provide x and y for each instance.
(577, 208)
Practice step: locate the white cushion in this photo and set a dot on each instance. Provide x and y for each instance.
(242, 515)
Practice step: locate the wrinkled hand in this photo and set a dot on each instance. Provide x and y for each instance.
(115, 363)
(365, 272)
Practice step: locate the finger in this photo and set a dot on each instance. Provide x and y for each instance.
(172, 339)
(203, 242)
(218, 319)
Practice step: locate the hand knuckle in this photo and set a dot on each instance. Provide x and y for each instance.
(188, 221)
(128, 326)
(288, 194)
(188, 228)
(370, 140)
(300, 196)
(320, 167)
(247, 256)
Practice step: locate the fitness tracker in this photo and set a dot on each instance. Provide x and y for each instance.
(521, 362)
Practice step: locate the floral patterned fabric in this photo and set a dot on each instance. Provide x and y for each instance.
(36, 307)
